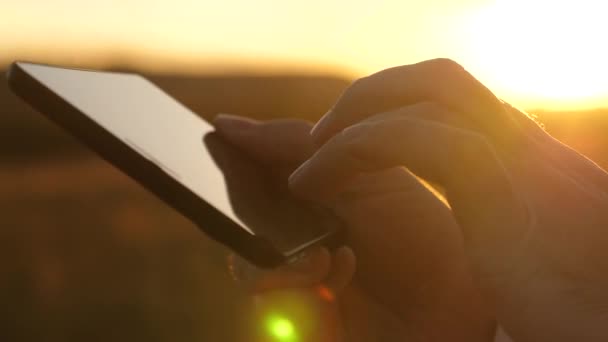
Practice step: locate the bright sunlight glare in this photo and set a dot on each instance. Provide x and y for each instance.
(547, 54)
(546, 50)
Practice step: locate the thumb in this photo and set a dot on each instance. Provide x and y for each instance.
(281, 141)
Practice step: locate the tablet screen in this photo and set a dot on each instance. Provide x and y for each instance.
(171, 136)
(140, 114)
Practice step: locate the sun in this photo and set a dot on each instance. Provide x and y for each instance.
(551, 52)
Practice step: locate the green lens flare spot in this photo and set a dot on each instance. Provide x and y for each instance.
(281, 329)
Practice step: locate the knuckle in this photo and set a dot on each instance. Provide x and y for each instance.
(446, 65)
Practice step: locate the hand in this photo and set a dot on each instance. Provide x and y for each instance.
(533, 213)
(412, 280)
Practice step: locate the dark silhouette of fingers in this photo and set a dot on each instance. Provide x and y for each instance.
(464, 163)
(440, 80)
(281, 141)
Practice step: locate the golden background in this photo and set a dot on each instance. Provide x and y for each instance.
(86, 254)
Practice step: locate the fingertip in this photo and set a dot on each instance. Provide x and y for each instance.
(308, 183)
(320, 264)
(310, 271)
(225, 117)
(318, 130)
(296, 178)
(345, 257)
(344, 267)
(230, 125)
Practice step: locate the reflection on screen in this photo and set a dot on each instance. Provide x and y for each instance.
(143, 116)
(183, 145)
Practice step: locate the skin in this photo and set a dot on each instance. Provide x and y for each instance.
(522, 243)
(409, 281)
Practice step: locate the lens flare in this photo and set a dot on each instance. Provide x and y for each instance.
(281, 328)
(326, 294)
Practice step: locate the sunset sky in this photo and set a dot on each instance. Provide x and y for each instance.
(534, 53)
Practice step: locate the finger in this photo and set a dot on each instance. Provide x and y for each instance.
(429, 111)
(308, 272)
(477, 185)
(343, 269)
(277, 141)
(441, 80)
(245, 183)
(247, 273)
(430, 149)
(368, 319)
(426, 111)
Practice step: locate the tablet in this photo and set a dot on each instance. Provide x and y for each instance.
(174, 153)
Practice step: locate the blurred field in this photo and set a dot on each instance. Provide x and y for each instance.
(86, 254)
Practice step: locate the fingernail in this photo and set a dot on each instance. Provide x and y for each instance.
(297, 174)
(230, 122)
(318, 128)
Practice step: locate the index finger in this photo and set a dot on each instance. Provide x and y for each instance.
(280, 141)
(440, 80)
